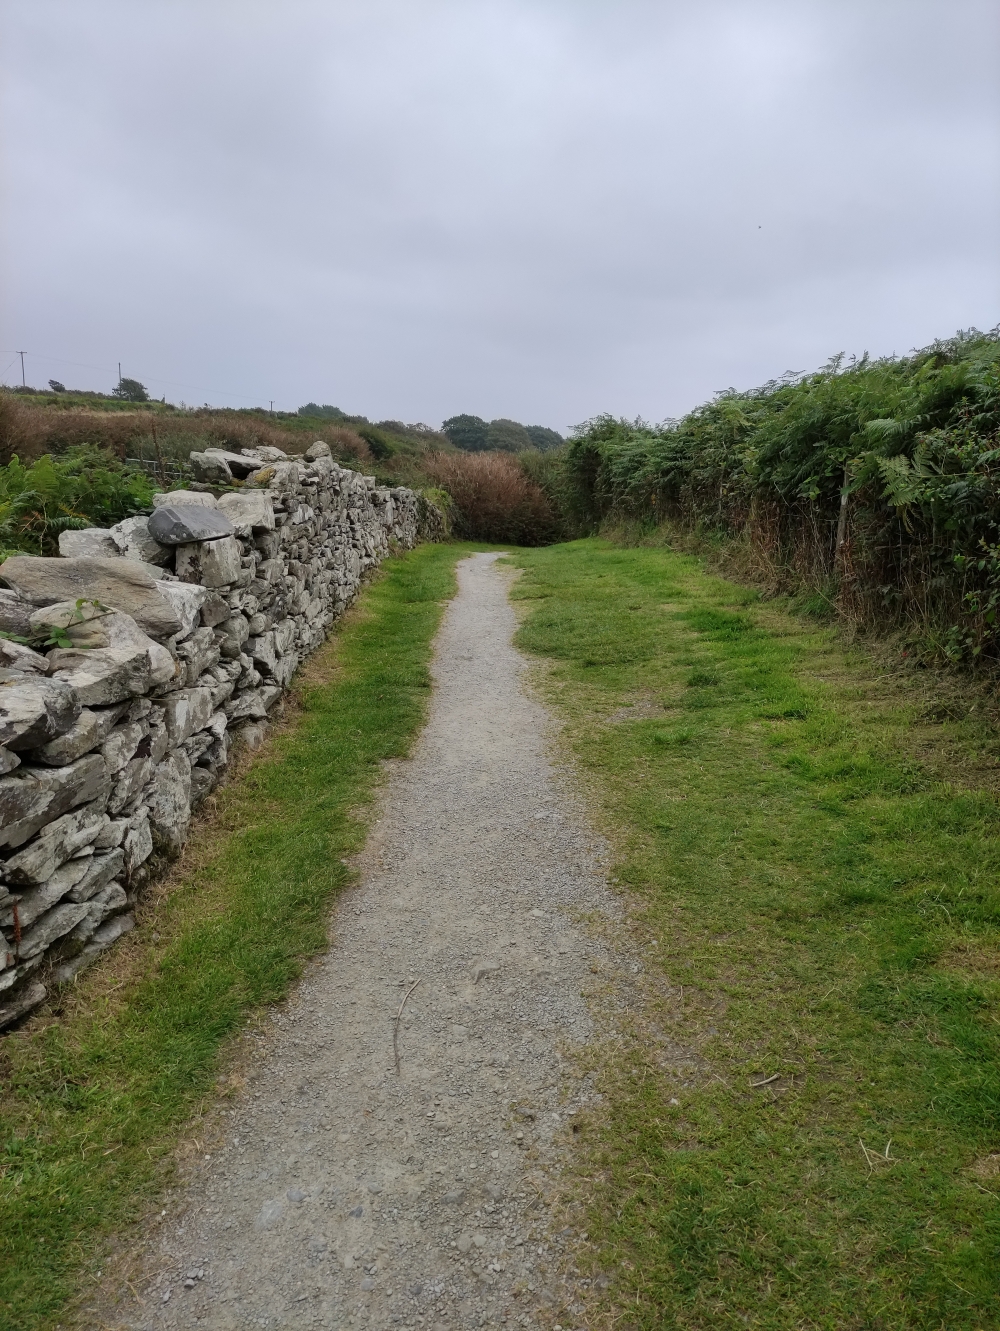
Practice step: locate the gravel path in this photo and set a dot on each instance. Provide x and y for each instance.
(345, 1193)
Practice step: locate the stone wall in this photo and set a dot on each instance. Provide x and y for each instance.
(154, 649)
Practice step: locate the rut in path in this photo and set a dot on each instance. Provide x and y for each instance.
(345, 1193)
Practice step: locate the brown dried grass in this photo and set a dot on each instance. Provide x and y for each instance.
(494, 500)
(29, 430)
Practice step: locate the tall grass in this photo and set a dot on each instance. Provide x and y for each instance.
(29, 429)
(493, 498)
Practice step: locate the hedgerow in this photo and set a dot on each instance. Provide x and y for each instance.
(875, 482)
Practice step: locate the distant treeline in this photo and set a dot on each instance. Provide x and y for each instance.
(470, 433)
(874, 484)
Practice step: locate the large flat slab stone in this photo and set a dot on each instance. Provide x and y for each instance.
(180, 524)
(122, 584)
(34, 709)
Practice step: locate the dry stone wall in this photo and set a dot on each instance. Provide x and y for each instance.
(154, 648)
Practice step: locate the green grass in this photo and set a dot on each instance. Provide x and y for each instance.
(817, 898)
(92, 1105)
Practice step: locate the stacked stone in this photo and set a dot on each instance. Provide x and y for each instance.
(185, 628)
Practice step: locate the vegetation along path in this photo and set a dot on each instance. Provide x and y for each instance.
(805, 1132)
(386, 1162)
(777, 1104)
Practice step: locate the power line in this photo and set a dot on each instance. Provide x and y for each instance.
(109, 369)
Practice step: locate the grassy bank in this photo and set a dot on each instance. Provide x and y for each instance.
(807, 1134)
(93, 1104)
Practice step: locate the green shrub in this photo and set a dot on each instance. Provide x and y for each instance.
(877, 481)
(84, 487)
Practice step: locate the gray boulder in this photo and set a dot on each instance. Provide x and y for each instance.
(186, 711)
(33, 797)
(318, 450)
(180, 524)
(170, 803)
(202, 784)
(129, 782)
(32, 996)
(54, 924)
(210, 470)
(138, 843)
(15, 614)
(135, 540)
(215, 610)
(122, 584)
(16, 656)
(90, 542)
(34, 709)
(88, 731)
(35, 903)
(111, 835)
(108, 901)
(81, 623)
(120, 746)
(263, 652)
(250, 511)
(124, 633)
(187, 600)
(247, 706)
(210, 563)
(238, 464)
(235, 631)
(60, 841)
(285, 669)
(104, 675)
(199, 653)
(186, 497)
(99, 871)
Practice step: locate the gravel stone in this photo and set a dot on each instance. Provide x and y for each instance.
(344, 1192)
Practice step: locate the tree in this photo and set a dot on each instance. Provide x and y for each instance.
(130, 390)
(468, 432)
(56, 386)
(544, 438)
(325, 412)
(508, 436)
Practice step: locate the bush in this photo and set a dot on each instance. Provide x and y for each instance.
(86, 487)
(877, 483)
(493, 499)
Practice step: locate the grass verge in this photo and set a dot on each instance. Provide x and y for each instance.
(807, 1136)
(92, 1104)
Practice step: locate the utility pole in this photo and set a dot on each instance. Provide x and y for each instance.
(23, 384)
(272, 406)
(119, 374)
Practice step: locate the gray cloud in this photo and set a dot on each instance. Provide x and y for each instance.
(541, 209)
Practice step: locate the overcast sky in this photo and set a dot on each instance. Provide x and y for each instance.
(541, 209)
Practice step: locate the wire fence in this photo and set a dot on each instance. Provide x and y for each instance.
(164, 471)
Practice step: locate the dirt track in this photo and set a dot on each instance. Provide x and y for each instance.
(345, 1192)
